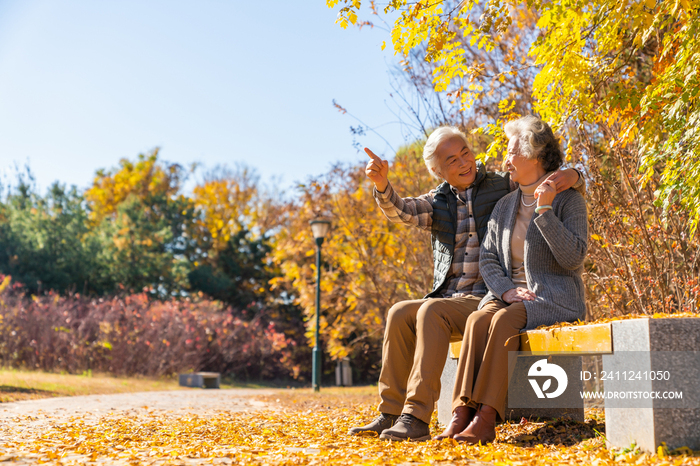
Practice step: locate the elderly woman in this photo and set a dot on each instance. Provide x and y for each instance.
(531, 261)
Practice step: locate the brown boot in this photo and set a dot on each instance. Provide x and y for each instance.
(461, 417)
(481, 429)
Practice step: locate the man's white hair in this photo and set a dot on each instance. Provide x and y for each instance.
(434, 140)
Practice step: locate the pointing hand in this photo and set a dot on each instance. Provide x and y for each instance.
(377, 171)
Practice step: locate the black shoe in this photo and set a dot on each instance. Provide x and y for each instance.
(407, 427)
(380, 423)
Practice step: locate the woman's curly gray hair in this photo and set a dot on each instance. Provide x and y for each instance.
(536, 141)
(434, 140)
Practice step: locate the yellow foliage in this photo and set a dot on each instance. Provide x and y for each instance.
(5, 283)
(224, 208)
(145, 178)
(226, 203)
(631, 67)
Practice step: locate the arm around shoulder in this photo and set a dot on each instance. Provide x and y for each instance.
(580, 184)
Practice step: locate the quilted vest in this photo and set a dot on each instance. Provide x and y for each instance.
(488, 189)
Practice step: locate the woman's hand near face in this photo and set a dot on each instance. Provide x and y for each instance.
(377, 170)
(545, 192)
(517, 295)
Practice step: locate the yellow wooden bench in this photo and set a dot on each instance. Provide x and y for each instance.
(582, 339)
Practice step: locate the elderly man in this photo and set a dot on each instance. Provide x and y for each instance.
(418, 332)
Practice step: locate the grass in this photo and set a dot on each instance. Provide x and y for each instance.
(16, 385)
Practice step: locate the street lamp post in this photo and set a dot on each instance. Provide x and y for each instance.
(320, 228)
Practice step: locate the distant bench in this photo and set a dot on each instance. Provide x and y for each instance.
(626, 347)
(200, 380)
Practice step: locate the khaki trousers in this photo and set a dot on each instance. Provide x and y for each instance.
(416, 341)
(482, 376)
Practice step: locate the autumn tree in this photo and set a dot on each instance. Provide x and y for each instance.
(145, 179)
(140, 215)
(469, 101)
(619, 81)
(231, 237)
(226, 203)
(631, 65)
(234, 236)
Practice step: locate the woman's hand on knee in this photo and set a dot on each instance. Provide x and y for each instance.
(517, 295)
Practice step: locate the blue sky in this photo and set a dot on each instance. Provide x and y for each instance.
(84, 83)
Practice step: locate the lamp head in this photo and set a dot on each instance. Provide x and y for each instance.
(320, 228)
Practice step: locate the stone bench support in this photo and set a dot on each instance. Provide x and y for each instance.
(648, 345)
(643, 345)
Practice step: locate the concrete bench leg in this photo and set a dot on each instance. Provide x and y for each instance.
(571, 364)
(447, 383)
(645, 345)
(568, 406)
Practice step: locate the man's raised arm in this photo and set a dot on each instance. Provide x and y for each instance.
(416, 211)
(565, 178)
(568, 178)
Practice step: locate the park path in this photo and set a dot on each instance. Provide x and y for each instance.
(30, 417)
(192, 401)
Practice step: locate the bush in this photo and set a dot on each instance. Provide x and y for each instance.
(135, 335)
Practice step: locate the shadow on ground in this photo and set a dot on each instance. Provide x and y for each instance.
(9, 393)
(555, 432)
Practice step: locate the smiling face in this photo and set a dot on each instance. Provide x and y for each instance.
(456, 163)
(522, 170)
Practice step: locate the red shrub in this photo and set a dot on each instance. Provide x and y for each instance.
(134, 335)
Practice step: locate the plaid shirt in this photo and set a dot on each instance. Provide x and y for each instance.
(464, 277)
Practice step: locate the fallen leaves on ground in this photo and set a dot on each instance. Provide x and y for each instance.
(304, 428)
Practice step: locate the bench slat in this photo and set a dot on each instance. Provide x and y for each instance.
(595, 339)
(585, 339)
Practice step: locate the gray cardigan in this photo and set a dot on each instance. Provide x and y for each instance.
(555, 248)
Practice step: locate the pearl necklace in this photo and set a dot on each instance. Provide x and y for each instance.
(522, 199)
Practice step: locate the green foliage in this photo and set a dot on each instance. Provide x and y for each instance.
(45, 241)
(238, 275)
(142, 245)
(134, 230)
